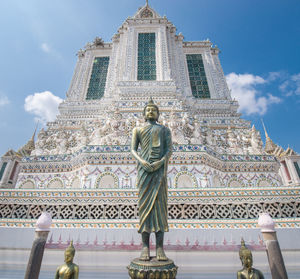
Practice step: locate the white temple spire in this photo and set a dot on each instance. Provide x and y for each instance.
(270, 146)
(266, 134)
(34, 133)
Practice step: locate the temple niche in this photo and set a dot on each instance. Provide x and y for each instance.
(220, 168)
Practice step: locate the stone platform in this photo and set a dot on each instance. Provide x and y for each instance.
(152, 269)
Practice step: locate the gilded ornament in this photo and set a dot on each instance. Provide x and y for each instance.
(68, 270)
(248, 272)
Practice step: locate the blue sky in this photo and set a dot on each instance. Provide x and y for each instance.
(259, 42)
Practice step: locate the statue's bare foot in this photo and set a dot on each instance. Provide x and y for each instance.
(145, 255)
(160, 254)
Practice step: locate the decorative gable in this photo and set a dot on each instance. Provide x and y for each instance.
(146, 12)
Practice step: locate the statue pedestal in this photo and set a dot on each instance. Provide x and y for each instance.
(152, 269)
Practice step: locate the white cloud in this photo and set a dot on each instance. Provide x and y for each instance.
(291, 86)
(3, 100)
(274, 76)
(244, 90)
(51, 51)
(43, 105)
(46, 48)
(273, 99)
(284, 88)
(288, 84)
(296, 80)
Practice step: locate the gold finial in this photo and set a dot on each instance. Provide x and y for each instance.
(150, 101)
(147, 4)
(243, 247)
(244, 250)
(243, 243)
(71, 248)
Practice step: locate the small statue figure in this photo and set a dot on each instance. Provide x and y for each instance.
(156, 148)
(245, 139)
(80, 53)
(117, 133)
(255, 140)
(176, 129)
(98, 42)
(61, 142)
(68, 270)
(100, 132)
(82, 137)
(210, 137)
(232, 141)
(187, 128)
(40, 148)
(248, 272)
(197, 136)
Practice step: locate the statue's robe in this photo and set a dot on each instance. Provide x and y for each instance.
(255, 274)
(156, 143)
(67, 271)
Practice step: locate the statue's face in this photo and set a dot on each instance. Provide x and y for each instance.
(69, 257)
(151, 113)
(248, 261)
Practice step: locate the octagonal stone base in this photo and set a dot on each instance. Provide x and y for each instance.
(152, 269)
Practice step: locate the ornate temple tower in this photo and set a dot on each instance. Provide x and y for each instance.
(147, 58)
(82, 162)
(110, 85)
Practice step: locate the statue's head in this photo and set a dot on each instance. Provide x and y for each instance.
(151, 111)
(245, 255)
(69, 253)
(42, 133)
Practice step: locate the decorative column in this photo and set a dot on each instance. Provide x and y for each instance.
(37, 251)
(276, 262)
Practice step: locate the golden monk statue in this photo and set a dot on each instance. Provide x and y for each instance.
(68, 270)
(156, 148)
(248, 272)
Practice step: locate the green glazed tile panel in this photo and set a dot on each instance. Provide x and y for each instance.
(146, 57)
(197, 76)
(98, 78)
(2, 169)
(296, 164)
